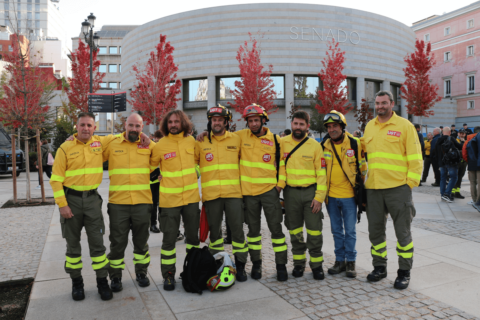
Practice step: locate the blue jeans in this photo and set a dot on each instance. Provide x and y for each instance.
(343, 213)
(452, 171)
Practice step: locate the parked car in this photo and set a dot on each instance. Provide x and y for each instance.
(6, 155)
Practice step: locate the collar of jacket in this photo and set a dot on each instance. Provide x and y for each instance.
(219, 138)
(122, 137)
(176, 137)
(392, 120)
(268, 134)
(92, 139)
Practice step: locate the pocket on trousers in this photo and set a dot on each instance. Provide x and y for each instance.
(245, 213)
(411, 208)
(62, 226)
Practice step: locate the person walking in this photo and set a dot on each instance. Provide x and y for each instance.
(427, 161)
(344, 159)
(433, 156)
(155, 189)
(471, 154)
(304, 194)
(394, 169)
(453, 131)
(77, 173)
(47, 168)
(422, 142)
(462, 167)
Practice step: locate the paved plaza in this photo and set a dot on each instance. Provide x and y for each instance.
(445, 277)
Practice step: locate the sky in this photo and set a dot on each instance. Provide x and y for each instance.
(128, 12)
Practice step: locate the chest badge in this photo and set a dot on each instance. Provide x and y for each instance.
(285, 154)
(350, 153)
(267, 157)
(95, 144)
(209, 157)
(267, 142)
(394, 133)
(169, 155)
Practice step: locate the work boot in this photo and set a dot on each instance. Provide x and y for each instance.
(77, 289)
(116, 285)
(298, 271)
(257, 270)
(282, 274)
(338, 267)
(378, 273)
(104, 289)
(154, 229)
(169, 282)
(458, 195)
(435, 184)
(351, 273)
(241, 274)
(476, 205)
(402, 280)
(318, 273)
(142, 280)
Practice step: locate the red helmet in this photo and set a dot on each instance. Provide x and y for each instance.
(219, 110)
(254, 110)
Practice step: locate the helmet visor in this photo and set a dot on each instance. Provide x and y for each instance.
(333, 116)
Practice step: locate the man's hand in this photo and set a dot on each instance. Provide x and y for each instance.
(279, 189)
(317, 206)
(66, 212)
(160, 178)
(71, 138)
(144, 140)
(202, 136)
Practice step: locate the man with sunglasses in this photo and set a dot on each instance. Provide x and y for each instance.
(394, 169)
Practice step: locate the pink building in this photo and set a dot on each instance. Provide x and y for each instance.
(455, 40)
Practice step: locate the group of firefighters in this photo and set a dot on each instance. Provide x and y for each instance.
(242, 174)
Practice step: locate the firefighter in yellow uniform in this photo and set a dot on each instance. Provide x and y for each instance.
(218, 156)
(304, 194)
(394, 169)
(179, 194)
(77, 173)
(130, 201)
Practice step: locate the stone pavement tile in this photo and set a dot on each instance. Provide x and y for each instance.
(53, 270)
(436, 241)
(438, 274)
(466, 252)
(156, 306)
(254, 309)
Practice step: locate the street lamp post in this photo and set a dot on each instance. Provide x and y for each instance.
(92, 41)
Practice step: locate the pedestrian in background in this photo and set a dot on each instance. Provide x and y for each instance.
(462, 167)
(155, 189)
(422, 143)
(471, 156)
(447, 169)
(453, 131)
(45, 155)
(427, 159)
(287, 132)
(467, 130)
(433, 156)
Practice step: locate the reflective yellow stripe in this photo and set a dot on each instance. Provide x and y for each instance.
(406, 248)
(278, 241)
(190, 246)
(80, 172)
(98, 266)
(279, 249)
(169, 253)
(258, 180)
(220, 183)
(321, 173)
(383, 254)
(299, 256)
(321, 187)
(380, 246)
(73, 260)
(116, 262)
(238, 244)
(302, 181)
(129, 187)
(141, 259)
(54, 177)
(176, 174)
(314, 232)
(153, 168)
(153, 182)
(282, 177)
(74, 266)
(58, 194)
(240, 250)
(255, 246)
(122, 266)
(327, 154)
(257, 165)
(99, 259)
(301, 171)
(140, 256)
(295, 231)
(169, 261)
(179, 190)
(314, 259)
(129, 171)
(216, 243)
(220, 167)
(254, 239)
(84, 188)
(387, 167)
(406, 255)
(386, 155)
(282, 162)
(416, 156)
(144, 261)
(412, 175)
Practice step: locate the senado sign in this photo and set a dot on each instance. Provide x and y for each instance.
(315, 34)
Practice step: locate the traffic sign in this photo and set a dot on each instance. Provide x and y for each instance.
(107, 102)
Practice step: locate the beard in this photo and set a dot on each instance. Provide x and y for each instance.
(299, 134)
(174, 130)
(218, 129)
(133, 136)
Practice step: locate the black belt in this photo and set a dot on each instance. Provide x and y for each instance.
(81, 194)
(302, 188)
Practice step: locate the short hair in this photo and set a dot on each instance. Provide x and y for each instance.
(417, 126)
(441, 127)
(452, 125)
(158, 134)
(300, 114)
(86, 114)
(382, 93)
(185, 123)
(464, 124)
(476, 129)
(288, 132)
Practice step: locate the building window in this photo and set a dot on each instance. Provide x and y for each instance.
(103, 85)
(102, 50)
(113, 50)
(37, 15)
(471, 104)
(279, 86)
(37, 7)
(447, 56)
(112, 68)
(447, 31)
(120, 49)
(119, 68)
(305, 87)
(19, 7)
(120, 85)
(37, 24)
(427, 37)
(470, 51)
(470, 24)
(37, 1)
(29, 6)
(6, 6)
(102, 68)
(112, 85)
(447, 88)
(1, 47)
(470, 84)
(195, 90)
(226, 86)
(7, 16)
(10, 48)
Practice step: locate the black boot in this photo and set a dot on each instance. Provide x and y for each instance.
(77, 289)
(257, 270)
(378, 273)
(282, 274)
(318, 273)
(402, 280)
(116, 285)
(241, 274)
(142, 280)
(458, 195)
(104, 289)
(351, 273)
(298, 271)
(169, 282)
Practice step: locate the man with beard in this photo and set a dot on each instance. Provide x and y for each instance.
(218, 157)
(394, 169)
(179, 195)
(304, 193)
(130, 201)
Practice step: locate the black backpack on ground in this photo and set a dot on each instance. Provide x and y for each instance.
(198, 267)
(451, 155)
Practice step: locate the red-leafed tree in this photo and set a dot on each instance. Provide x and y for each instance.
(363, 115)
(420, 94)
(256, 85)
(157, 85)
(79, 84)
(334, 96)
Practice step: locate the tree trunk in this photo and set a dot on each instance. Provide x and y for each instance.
(14, 167)
(40, 165)
(28, 168)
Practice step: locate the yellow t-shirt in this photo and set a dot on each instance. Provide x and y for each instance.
(340, 187)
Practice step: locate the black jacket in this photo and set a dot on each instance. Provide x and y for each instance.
(422, 142)
(439, 151)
